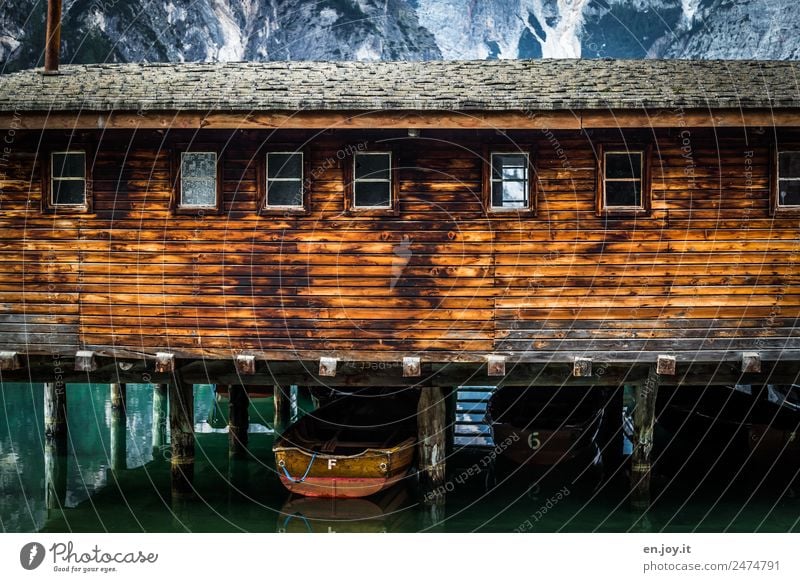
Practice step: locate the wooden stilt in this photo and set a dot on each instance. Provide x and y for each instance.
(181, 423)
(451, 403)
(118, 395)
(238, 420)
(431, 424)
(159, 420)
(281, 398)
(643, 419)
(55, 410)
(293, 396)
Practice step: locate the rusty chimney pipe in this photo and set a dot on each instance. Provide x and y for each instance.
(52, 46)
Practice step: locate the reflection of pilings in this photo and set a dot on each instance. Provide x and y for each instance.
(181, 423)
(159, 419)
(119, 449)
(55, 410)
(55, 473)
(238, 420)
(282, 401)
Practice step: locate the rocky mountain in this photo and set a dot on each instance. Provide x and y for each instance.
(234, 30)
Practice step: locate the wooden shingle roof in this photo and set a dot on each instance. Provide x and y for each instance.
(539, 85)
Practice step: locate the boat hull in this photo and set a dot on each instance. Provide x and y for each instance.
(345, 476)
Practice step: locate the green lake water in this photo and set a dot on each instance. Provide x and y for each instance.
(246, 495)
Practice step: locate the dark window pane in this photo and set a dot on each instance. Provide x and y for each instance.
(509, 166)
(69, 192)
(624, 165)
(789, 192)
(372, 166)
(69, 165)
(285, 166)
(285, 193)
(789, 165)
(372, 194)
(623, 193)
(199, 165)
(195, 192)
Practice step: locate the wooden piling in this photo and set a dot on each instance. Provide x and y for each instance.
(643, 420)
(282, 399)
(159, 420)
(118, 395)
(238, 420)
(431, 425)
(55, 410)
(181, 423)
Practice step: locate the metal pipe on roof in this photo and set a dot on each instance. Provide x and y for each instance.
(52, 47)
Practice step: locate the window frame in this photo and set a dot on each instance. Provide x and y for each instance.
(646, 190)
(48, 205)
(774, 207)
(350, 184)
(177, 178)
(487, 186)
(262, 176)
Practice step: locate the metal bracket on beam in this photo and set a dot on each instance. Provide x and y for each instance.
(245, 365)
(327, 367)
(582, 367)
(496, 366)
(666, 365)
(9, 361)
(411, 367)
(84, 361)
(165, 363)
(751, 362)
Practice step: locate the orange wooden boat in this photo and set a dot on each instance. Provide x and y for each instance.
(355, 446)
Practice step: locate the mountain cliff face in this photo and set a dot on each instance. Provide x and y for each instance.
(235, 30)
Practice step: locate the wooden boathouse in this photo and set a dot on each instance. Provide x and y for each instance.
(576, 222)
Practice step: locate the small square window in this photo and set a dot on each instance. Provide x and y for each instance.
(372, 180)
(510, 182)
(198, 188)
(788, 194)
(284, 180)
(68, 179)
(623, 173)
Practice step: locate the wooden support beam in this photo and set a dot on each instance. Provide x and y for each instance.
(412, 368)
(55, 410)
(181, 423)
(118, 395)
(238, 420)
(432, 431)
(582, 367)
(327, 367)
(496, 366)
(643, 420)
(283, 411)
(165, 363)
(751, 363)
(85, 361)
(666, 365)
(245, 365)
(159, 440)
(9, 361)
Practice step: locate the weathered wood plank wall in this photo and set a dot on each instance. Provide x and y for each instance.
(709, 269)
